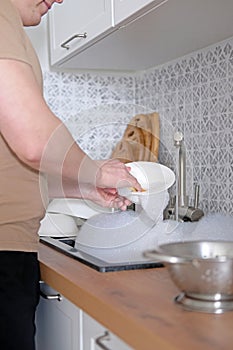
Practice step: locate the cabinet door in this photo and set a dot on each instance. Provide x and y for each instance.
(57, 324)
(88, 18)
(129, 10)
(96, 337)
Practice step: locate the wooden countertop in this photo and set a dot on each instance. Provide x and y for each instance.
(136, 305)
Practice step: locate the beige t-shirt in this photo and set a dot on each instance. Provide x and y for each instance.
(21, 204)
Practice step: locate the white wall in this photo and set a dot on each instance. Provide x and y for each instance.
(193, 94)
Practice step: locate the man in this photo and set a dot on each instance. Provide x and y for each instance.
(35, 147)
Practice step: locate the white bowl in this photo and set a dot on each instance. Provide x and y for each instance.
(108, 231)
(75, 207)
(58, 225)
(153, 177)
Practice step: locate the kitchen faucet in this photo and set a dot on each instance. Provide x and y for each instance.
(178, 207)
(179, 143)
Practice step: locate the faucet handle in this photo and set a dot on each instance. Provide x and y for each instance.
(196, 196)
(194, 213)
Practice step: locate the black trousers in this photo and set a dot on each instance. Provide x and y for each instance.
(19, 296)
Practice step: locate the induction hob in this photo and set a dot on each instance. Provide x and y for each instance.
(67, 247)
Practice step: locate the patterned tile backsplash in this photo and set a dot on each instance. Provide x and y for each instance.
(193, 94)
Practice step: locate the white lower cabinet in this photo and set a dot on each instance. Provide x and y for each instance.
(58, 322)
(60, 325)
(97, 337)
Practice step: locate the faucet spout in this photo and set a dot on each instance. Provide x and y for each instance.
(179, 143)
(178, 207)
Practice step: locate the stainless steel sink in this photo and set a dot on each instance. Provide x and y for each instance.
(66, 245)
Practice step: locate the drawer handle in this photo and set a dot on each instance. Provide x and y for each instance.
(101, 338)
(75, 36)
(51, 296)
(47, 296)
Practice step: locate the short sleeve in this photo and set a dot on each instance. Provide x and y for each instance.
(12, 43)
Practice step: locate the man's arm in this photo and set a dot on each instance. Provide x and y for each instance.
(41, 140)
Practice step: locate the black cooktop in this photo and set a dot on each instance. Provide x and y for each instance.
(66, 246)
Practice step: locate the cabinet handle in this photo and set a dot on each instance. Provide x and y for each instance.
(105, 336)
(75, 36)
(51, 296)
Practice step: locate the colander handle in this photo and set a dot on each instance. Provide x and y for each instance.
(160, 257)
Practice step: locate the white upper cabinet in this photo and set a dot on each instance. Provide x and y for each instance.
(75, 24)
(125, 9)
(132, 35)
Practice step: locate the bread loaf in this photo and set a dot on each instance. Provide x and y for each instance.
(155, 132)
(123, 151)
(140, 140)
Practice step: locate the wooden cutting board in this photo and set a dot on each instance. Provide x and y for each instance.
(140, 140)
